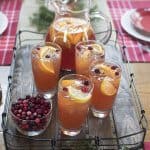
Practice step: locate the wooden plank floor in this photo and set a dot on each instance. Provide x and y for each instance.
(142, 79)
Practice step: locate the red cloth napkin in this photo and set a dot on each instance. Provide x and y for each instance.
(147, 146)
(134, 51)
(11, 8)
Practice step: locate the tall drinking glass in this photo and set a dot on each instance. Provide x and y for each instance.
(46, 61)
(74, 94)
(87, 52)
(106, 78)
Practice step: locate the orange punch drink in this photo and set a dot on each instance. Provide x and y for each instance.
(46, 60)
(67, 32)
(74, 95)
(87, 52)
(106, 78)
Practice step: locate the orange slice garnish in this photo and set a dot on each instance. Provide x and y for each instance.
(46, 64)
(107, 87)
(86, 54)
(60, 40)
(97, 49)
(75, 38)
(78, 96)
(66, 83)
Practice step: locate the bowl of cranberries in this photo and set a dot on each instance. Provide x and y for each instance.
(31, 115)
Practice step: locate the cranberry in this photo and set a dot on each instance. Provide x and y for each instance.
(117, 73)
(25, 108)
(24, 126)
(97, 71)
(20, 101)
(65, 89)
(57, 50)
(37, 120)
(32, 110)
(47, 56)
(113, 67)
(39, 115)
(39, 111)
(28, 97)
(18, 115)
(86, 82)
(20, 110)
(29, 113)
(35, 114)
(38, 48)
(90, 48)
(31, 117)
(85, 89)
(25, 101)
(45, 111)
(27, 118)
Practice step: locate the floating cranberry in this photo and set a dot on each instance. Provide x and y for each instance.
(57, 50)
(97, 71)
(90, 48)
(65, 89)
(38, 48)
(86, 82)
(117, 73)
(114, 67)
(85, 89)
(47, 56)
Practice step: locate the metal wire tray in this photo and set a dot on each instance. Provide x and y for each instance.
(124, 128)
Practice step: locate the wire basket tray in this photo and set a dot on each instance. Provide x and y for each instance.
(125, 128)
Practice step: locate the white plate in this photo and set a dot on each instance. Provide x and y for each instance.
(3, 22)
(128, 27)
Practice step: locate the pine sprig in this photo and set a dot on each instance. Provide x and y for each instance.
(42, 19)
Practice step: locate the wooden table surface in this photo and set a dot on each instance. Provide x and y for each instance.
(142, 80)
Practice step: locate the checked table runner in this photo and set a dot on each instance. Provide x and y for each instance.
(11, 8)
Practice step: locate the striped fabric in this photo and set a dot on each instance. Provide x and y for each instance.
(134, 51)
(11, 8)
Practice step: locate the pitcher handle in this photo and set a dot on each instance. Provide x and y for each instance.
(102, 26)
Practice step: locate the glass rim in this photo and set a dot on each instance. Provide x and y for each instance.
(42, 44)
(78, 11)
(92, 41)
(77, 75)
(112, 62)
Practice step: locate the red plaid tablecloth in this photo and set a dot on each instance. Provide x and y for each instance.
(11, 8)
(134, 51)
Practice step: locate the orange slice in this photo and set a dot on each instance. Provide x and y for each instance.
(66, 83)
(86, 54)
(78, 96)
(97, 49)
(75, 38)
(46, 65)
(60, 40)
(107, 87)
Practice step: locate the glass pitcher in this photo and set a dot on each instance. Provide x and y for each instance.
(70, 26)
